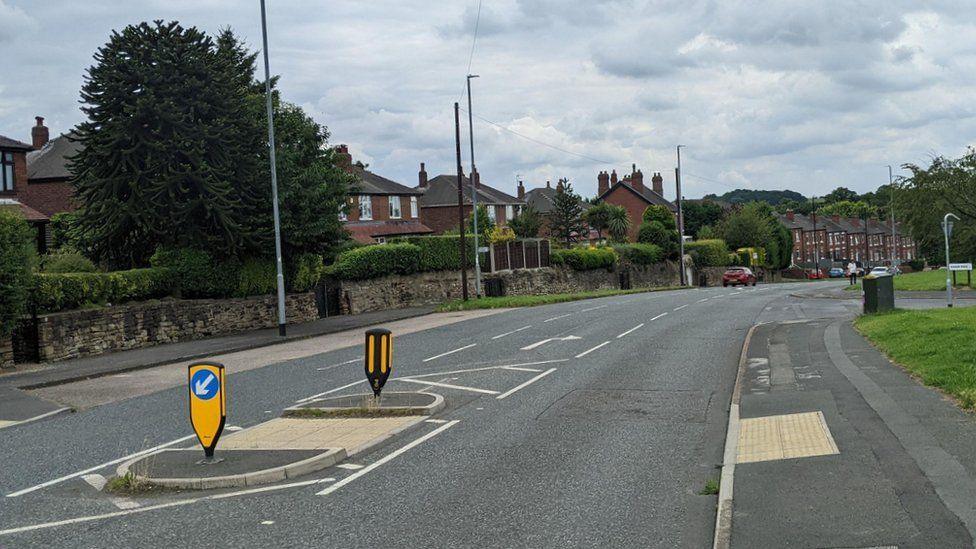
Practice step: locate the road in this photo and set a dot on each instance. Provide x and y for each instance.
(603, 428)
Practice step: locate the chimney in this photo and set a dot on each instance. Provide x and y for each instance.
(559, 186)
(422, 176)
(602, 183)
(476, 177)
(613, 178)
(657, 183)
(39, 133)
(637, 180)
(343, 158)
(521, 190)
(548, 184)
(789, 215)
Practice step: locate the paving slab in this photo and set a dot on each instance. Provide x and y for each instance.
(367, 405)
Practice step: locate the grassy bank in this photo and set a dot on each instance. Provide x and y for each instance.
(920, 282)
(532, 300)
(937, 345)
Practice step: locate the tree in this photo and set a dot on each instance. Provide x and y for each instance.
(658, 227)
(485, 224)
(847, 208)
(161, 147)
(840, 194)
(700, 213)
(946, 185)
(706, 233)
(566, 217)
(618, 223)
(597, 218)
(527, 223)
(745, 228)
(803, 207)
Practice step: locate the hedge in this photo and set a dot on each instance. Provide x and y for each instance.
(584, 259)
(16, 254)
(440, 253)
(376, 261)
(711, 253)
(57, 292)
(639, 254)
(67, 262)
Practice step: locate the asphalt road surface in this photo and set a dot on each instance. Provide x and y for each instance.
(606, 424)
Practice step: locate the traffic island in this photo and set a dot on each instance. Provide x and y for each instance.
(392, 404)
(186, 468)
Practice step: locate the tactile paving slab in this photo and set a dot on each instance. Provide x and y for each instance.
(786, 436)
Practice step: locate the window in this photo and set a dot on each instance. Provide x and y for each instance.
(509, 212)
(6, 171)
(395, 207)
(365, 207)
(413, 207)
(491, 213)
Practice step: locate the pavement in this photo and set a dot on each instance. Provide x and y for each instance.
(596, 422)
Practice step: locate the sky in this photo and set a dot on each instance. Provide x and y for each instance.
(785, 94)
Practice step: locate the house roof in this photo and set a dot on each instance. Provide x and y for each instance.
(8, 143)
(442, 191)
(368, 231)
(51, 162)
(646, 193)
(541, 199)
(844, 224)
(30, 214)
(370, 183)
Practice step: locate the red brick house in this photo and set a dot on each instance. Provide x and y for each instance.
(542, 200)
(379, 208)
(631, 193)
(839, 239)
(439, 203)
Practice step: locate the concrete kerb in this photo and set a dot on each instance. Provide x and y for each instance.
(435, 405)
(723, 514)
(328, 458)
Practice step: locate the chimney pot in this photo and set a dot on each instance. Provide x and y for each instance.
(637, 181)
(657, 183)
(476, 177)
(603, 183)
(343, 158)
(422, 176)
(613, 177)
(548, 184)
(521, 190)
(39, 133)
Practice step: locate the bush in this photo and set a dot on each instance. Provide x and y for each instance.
(57, 292)
(67, 262)
(16, 254)
(376, 261)
(585, 259)
(661, 214)
(63, 231)
(257, 277)
(306, 273)
(639, 254)
(655, 232)
(711, 253)
(440, 253)
(500, 235)
(197, 274)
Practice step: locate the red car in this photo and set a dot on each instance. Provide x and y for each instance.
(738, 275)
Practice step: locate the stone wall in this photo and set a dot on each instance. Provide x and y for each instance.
(86, 332)
(712, 274)
(6, 353)
(397, 292)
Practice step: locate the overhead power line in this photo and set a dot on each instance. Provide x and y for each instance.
(474, 41)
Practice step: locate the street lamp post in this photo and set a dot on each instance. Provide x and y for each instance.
(474, 195)
(891, 188)
(947, 231)
(274, 177)
(681, 219)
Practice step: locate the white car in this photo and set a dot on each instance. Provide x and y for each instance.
(880, 271)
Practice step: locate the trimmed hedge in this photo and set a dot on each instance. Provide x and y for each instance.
(639, 254)
(16, 255)
(584, 259)
(711, 253)
(57, 292)
(440, 253)
(376, 261)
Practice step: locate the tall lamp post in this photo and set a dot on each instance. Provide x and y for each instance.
(474, 195)
(681, 219)
(891, 207)
(274, 176)
(947, 231)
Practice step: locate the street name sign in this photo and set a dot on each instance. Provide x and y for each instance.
(208, 403)
(379, 358)
(960, 266)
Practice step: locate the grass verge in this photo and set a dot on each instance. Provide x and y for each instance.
(128, 485)
(938, 346)
(533, 300)
(925, 281)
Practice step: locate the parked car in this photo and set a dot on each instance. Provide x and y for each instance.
(836, 272)
(880, 271)
(738, 275)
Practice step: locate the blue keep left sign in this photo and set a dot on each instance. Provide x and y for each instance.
(204, 385)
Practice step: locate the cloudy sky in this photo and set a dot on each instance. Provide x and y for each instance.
(797, 94)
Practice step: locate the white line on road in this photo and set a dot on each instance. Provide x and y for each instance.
(449, 386)
(517, 369)
(526, 384)
(558, 317)
(387, 458)
(125, 503)
(438, 421)
(459, 349)
(350, 466)
(681, 307)
(339, 364)
(329, 392)
(593, 308)
(588, 351)
(97, 481)
(97, 467)
(630, 330)
(418, 376)
(657, 317)
(5, 424)
(547, 340)
(703, 300)
(499, 336)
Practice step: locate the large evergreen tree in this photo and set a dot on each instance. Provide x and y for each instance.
(566, 217)
(162, 146)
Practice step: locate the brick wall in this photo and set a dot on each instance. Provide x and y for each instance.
(88, 332)
(634, 205)
(442, 218)
(20, 175)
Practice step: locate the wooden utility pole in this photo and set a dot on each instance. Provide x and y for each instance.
(460, 175)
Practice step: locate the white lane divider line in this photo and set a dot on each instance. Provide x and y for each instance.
(339, 364)
(482, 369)
(459, 349)
(499, 336)
(391, 456)
(703, 300)
(97, 467)
(517, 369)
(517, 388)
(329, 392)
(125, 503)
(547, 340)
(350, 466)
(681, 307)
(588, 351)
(438, 421)
(5, 424)
(95, 480)
(594, 308)
(234, 428)
(657, 317)
(449, 386)
(558, 317)
(639, 326)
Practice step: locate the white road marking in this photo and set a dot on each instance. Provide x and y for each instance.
(526, 384)
(435, 420)
(703, 300)
(267, 522)
(482, 369)
(517, 369)
(125, 503)
(547, 340)
(588, 351)
(97, 481)
(233, 428)
(329, 392)
(5, 424)
(593, 308)
(630, 330)
(339, 364)
(459, 349)
(388, 457)
(97, 467)
(350, 466)
(449, 386)
(558, 317)
(657, 317)
(499, 336)
(681, 307)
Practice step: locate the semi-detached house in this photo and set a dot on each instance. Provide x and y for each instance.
(439, 202)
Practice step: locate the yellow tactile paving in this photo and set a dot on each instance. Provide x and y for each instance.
(784, 437)
(308, 434)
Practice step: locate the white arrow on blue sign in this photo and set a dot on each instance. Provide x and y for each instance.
(205, 385)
